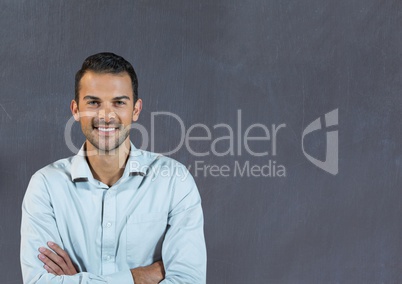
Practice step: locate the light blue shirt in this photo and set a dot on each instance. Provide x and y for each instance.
(152, 212)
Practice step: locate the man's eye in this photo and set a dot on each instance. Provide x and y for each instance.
(119, 103)
(93, 103)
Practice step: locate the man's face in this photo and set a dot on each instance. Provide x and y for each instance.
(105, 109)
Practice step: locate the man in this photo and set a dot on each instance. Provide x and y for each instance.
(112, 213)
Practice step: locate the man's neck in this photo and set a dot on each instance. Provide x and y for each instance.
(108, 167)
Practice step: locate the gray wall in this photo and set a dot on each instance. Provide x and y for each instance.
(278, 62)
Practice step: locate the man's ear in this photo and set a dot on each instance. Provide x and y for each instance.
(74, 110)
(137, 109)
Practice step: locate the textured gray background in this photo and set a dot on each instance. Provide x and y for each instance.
(278, 62)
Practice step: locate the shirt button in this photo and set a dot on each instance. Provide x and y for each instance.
(108, 257)
(108, 225)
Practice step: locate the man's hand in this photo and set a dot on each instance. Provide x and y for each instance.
(56, 262)
(151, 274)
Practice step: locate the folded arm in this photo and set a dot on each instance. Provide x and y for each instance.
(39, 226)
(57, 262)
(52, 264)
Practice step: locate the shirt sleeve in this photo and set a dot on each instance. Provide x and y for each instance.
(183, 249)
(38, 226)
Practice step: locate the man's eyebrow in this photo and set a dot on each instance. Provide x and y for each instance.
(121, 98)
(115, 98)
(91, 98)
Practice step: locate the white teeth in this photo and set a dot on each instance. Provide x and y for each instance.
(106, 129)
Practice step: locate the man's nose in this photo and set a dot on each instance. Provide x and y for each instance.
(106, 114)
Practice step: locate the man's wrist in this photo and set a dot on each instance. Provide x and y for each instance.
(150, 274)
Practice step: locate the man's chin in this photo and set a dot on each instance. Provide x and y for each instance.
(102, 146)
(109, 149)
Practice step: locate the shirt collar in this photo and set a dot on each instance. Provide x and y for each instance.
(137, 164)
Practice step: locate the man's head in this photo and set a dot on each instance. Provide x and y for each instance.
(106, 62)
(106, 101)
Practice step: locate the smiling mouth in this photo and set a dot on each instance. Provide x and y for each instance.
(106, 130)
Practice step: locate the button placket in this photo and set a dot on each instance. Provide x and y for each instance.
(108, 232)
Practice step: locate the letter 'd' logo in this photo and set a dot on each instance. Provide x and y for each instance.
(330, 164)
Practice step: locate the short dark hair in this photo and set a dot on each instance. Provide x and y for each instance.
(106, 62)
